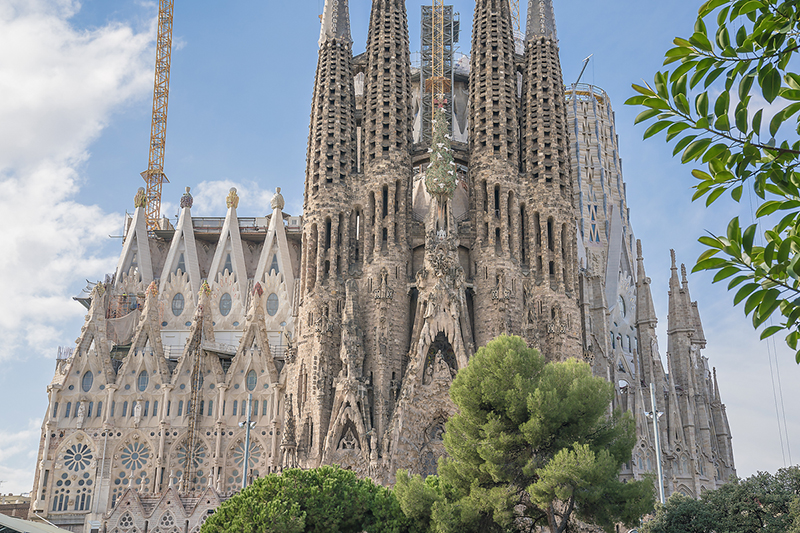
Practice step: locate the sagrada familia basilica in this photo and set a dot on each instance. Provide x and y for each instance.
(431, 225)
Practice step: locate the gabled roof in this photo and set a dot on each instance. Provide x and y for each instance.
(9, 524)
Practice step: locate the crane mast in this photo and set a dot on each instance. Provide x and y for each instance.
(154, 175)
(515, 18)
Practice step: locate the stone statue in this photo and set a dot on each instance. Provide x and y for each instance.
(373, 445)
(81, 414)
(137, 413)
(187, 200)
(140, 200)
(277, 200)
(233, 199)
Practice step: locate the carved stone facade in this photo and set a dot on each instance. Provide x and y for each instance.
(347, 325)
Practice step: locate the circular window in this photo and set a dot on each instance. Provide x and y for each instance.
(177, 304)
(143, 380)
(225, 304)
(86, 382)
(251, 380)
(272, 304)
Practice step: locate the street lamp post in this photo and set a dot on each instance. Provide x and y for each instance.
(655, 415)
(248, 425)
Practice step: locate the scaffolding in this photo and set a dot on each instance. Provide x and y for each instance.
(440, 29)
(190, 480)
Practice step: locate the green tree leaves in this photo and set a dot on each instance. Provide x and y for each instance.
(727, 137)
(319, 500)
(763, 503)
(532, 436)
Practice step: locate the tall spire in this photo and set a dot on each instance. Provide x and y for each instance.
(541, 20)
(335, 22)
(387, 106)
(493, 85)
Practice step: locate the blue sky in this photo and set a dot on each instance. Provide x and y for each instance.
(75, 96)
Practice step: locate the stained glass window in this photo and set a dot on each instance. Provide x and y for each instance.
(177, 304)
(86, 382)
(225, 304)
(272, 304)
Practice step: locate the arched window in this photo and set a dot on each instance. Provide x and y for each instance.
(66, 412)
(86, 382)
(225, 303)
(272, 304)
(143, 380)
(177, 304)
(252, 379)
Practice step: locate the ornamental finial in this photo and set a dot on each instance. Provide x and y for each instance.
(233, 199)
(277, 200)
(140, 200)
(187, 200)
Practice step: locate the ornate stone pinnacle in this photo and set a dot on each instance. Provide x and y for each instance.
(140, 200)
(233, 199)
(187, 200)
(277, 200)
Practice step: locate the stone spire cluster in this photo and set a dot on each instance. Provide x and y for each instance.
(346, 326)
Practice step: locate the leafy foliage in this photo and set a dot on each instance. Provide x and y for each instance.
(763, 502)
(532, 444)
(319, 500)
(745, 55)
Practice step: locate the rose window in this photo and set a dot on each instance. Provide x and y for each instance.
(235, 477)
(199, 458)
(135, 455)
(78, 457)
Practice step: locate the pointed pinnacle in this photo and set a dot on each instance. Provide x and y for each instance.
(335, 22)
(541, 20)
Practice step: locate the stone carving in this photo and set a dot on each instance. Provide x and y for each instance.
(232, 201)
(384, 292)
(352, 349)
(140, 200)
(187, 200)
(501, 292)
(81, 414)
(277, 201)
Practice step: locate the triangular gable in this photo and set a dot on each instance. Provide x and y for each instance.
(208, 497)
(136, 249)
(276, 246)
(183, 246)
(201, 333)
(170, 501)
(93, 340)
(255, 334)
(230, 243)
(148, 335)
(128, 502)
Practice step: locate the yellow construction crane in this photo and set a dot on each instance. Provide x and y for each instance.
(515, 18)
(154, 175)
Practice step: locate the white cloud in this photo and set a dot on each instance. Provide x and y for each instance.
(59, 87)
(18, 449)
(209, 198)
